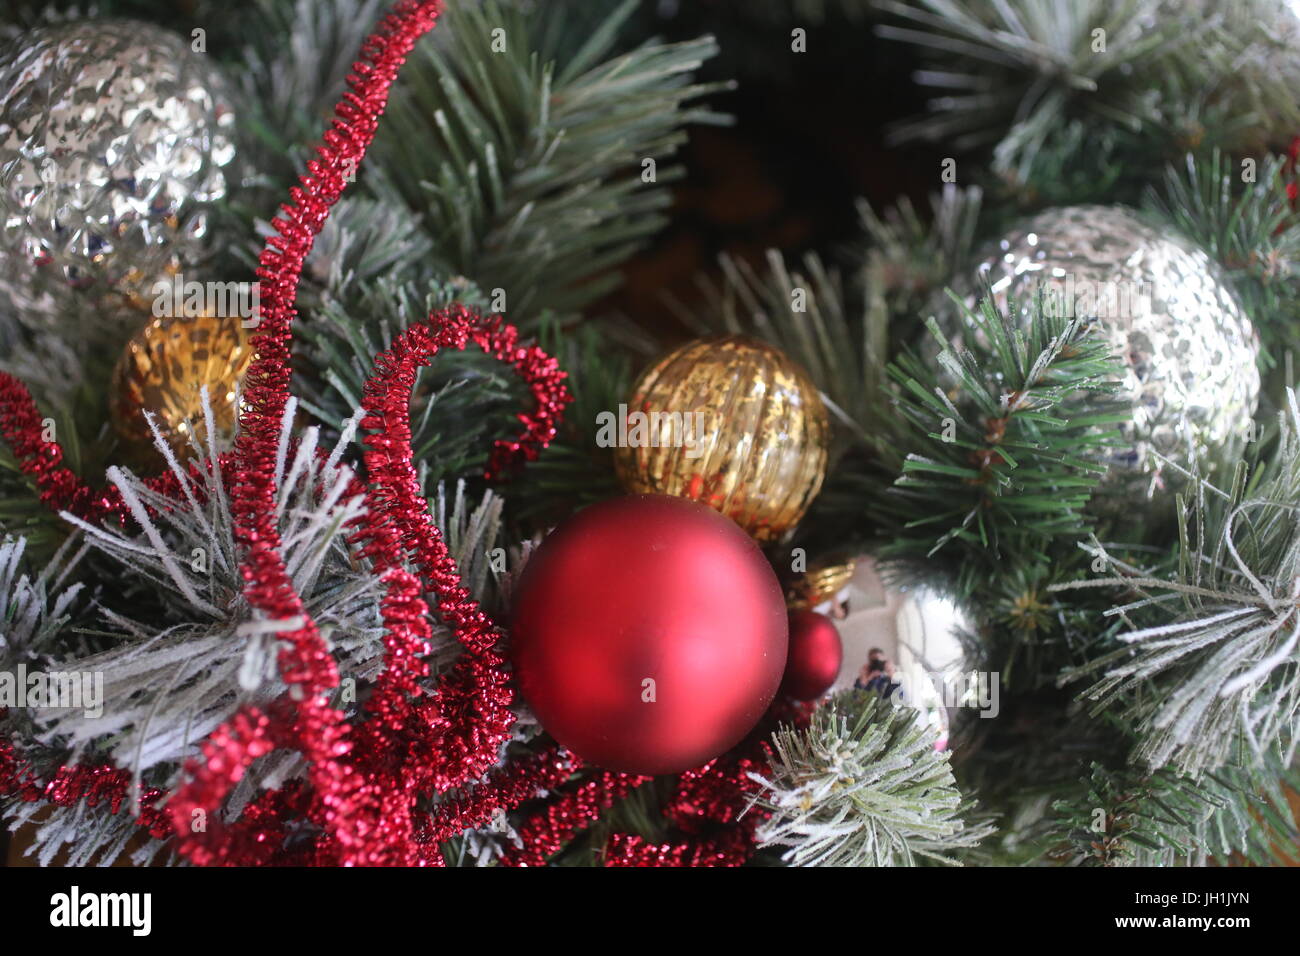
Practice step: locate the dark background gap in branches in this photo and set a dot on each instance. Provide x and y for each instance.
(808, 140)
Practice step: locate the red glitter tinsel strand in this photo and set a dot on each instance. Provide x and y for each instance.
(505, 790)
(398, 526)
(59, 487)
(305, 662)
(710, 807)
(554, 825)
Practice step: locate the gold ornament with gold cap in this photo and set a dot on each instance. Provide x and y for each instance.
(733, 423)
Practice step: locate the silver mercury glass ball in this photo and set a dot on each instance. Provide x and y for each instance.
(1188, 351)
(114, 138)
(920, 632)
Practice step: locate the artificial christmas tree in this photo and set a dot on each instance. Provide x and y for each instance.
(300, 635)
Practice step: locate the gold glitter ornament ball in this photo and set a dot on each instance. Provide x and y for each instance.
(733, 423)
(163, 369)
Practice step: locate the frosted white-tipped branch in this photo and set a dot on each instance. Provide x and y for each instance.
(1224, 672)
(863, 785)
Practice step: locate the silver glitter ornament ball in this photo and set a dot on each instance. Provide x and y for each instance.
(114, 137)
(1188, 351)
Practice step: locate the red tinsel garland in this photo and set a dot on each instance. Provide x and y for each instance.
(709, 806)
(506, 789)
(712, 807)
(23, 428)
(546, 831)
(348, 810)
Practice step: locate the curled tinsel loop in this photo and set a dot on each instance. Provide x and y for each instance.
(470, 714)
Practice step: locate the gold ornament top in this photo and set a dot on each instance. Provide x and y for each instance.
(733, 423)
(821, 582)
(164, 367)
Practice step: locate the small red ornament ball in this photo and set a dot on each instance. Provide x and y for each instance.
(649, 634)
(816, 653)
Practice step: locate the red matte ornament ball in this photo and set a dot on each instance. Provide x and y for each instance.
(649, 634)
(816, 653)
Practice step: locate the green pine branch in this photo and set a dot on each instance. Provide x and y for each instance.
(1139, 81)
(908, 260)
(531, 174)
(1130, 817)
(1007, 446)
(1250, 228)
